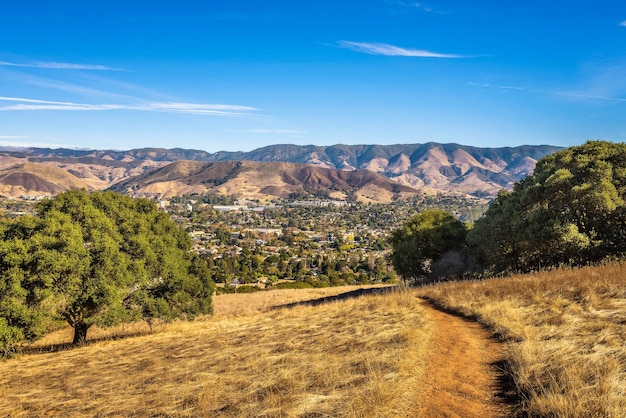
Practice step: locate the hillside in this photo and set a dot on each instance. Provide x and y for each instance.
(432, 167)
(37, 179)
(259, 180)
(291, 353)
(565, 331)
(563, 334)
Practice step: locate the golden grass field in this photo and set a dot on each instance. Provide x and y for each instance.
(565, 334)
(358, 357)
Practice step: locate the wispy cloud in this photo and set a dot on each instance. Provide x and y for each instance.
(86, 89)
(420, 6)
(276, 131)
(28, 143)
(622, 23)
(494, 86)
(392, 50)
(24, 104)
(60, 66)
(567, 94)
(13, 137)
(268, 131)
(583, 96)
(192, 107)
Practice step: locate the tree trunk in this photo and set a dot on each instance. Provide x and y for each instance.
(80, 333)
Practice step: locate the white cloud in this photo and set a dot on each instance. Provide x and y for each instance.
(584, 96)
(494, 86)
(12, 137)
(23, 100)
(267, 131)
(23, 104)
(622, 23)
(60, 66)
(31, 144)
(391, 50)
(201, 107)
(276, 131)
(417, 5)
(581, 96)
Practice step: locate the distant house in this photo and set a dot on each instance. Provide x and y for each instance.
(224, 208)
(34, 197)
(275, 231)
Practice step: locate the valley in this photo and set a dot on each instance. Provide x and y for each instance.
(335, 331)
(319, 209)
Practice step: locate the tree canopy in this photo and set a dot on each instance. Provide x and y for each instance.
(96, 259)
(423, 239)
(569, 211)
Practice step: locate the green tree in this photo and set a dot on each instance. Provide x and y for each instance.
(571, 210)
(100, 259)
(422, 240)
(23, 313)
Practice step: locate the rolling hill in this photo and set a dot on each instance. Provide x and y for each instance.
(37, 179)
(431, 168)
(259, 180)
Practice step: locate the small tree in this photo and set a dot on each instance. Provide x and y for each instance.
(422, 240)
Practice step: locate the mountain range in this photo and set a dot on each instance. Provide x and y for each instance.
(430, 168)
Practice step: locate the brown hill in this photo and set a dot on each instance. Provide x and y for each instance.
(37, 179)
(259, 180)
(433, 168)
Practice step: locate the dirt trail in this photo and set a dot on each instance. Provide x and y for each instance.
(461, 379)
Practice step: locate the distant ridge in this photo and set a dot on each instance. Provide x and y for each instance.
(260, 180)
(431, 167)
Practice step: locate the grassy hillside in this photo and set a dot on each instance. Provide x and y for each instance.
(266, 354)
(353, 357)
(565, 333)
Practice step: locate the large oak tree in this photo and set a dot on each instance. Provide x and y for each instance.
(97, 259)
(571, 210)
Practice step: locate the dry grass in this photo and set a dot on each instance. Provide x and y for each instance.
(566, 333)
(225, 305)
(359, 357)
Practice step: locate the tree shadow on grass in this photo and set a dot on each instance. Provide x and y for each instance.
(58, 347)
(342, 296)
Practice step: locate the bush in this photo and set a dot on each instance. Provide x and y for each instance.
(293, 285)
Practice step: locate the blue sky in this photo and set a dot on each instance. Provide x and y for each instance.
(237, 75)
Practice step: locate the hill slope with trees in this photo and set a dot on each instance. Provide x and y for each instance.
(570, 211)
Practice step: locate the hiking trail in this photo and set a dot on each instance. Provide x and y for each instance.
(462, 378)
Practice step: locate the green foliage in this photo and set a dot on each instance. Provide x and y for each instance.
(424, 239)
(570, 211)
(293, 285)
(23, 296)
(97, 259)
(10, 336)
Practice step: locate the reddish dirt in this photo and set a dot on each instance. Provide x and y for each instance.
(461, 377)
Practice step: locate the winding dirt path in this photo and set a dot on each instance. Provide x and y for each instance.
(462, 377)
